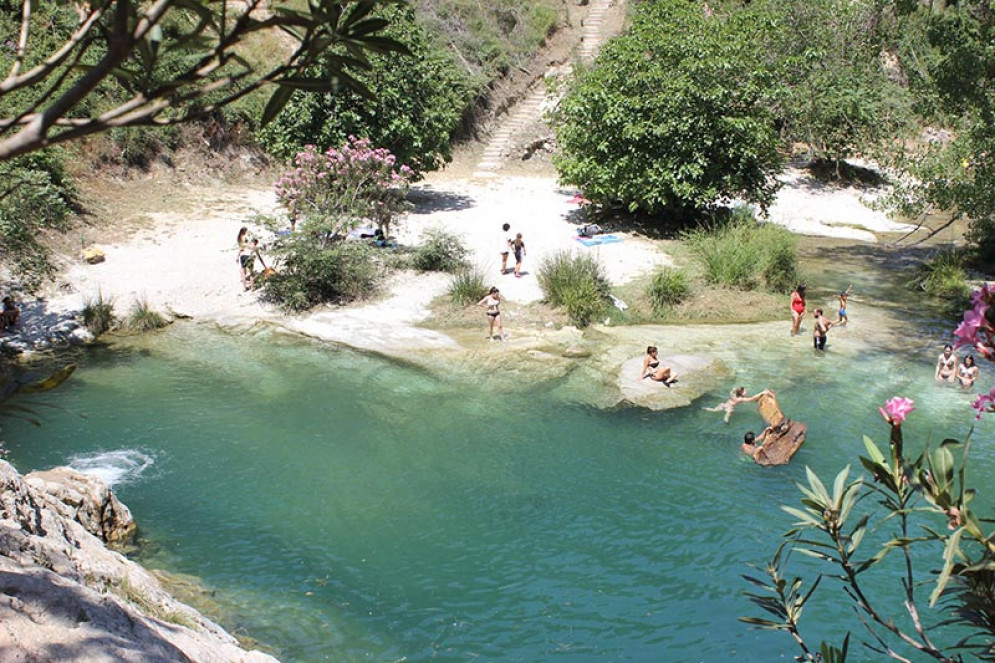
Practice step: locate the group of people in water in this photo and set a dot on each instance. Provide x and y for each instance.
(950, 369)
(821, 324)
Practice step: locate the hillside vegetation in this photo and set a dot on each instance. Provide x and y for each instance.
(419, 104)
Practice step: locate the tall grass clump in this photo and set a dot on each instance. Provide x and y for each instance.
(577, 282)
(741, 253)
(670, 286)
(98, 314)
(467, 287)
(440, 251)
(144, 318)
(944, 277)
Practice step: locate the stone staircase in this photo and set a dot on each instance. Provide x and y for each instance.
(536, 102)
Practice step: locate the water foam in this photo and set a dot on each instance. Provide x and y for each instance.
(113, 467)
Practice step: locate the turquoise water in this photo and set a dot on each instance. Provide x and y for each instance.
(346, 508)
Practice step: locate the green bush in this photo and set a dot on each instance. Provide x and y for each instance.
(669, 286)
(467, 287)
(742, 253)
(440, 251)
(310, 275)
(144, 318)
(576, 282)
(98, 314)
(944, 277)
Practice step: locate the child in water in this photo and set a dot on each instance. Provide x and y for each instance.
(843, 296)
(736, 396)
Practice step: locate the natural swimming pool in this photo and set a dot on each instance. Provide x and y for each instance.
(346, 508)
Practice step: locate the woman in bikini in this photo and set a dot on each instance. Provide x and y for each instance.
(946, 365)
(967, 373)
(492, 302)
(736, 396)
(246, 258)
(653, 370)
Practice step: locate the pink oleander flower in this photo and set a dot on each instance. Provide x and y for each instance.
(896, 409)
(984, 403)
(974, 320)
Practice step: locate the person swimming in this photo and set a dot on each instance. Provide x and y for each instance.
(736, 396)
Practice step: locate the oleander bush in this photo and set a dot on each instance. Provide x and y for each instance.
(311, 274)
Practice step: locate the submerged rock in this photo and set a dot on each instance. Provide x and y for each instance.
(65, 596)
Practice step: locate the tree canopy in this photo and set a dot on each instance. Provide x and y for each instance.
(176, 60)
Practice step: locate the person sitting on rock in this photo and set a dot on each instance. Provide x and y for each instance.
(10, 315)
(653, 370)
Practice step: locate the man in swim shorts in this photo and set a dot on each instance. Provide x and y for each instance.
(820, 329)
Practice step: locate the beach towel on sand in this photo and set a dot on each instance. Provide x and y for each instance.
(600, 239)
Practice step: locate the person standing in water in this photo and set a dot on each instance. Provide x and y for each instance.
(843, 296)
(797, 308)
(967, 373)
(519, 247)
(820, 329)
(492, 302)
(946, 365)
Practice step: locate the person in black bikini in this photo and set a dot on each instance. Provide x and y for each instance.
(493, 304)
(653, 370)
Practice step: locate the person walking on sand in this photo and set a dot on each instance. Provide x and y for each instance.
(797, 308)
(519, 247)
(967, 373)
(492, 302)
(505, 247)
(654, 371)
(820, 329)
(946, 365)
(736, 396)
(843, 296)
(246, 257)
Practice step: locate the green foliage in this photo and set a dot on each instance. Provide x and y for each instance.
(312, 274)
(669, 286)
(467, 287)
(35, 196)
(98, 314)
(143, 317)
(415, 105)
(440, 251)
(676, 113)
(841, 93)
(911, 497)
(576, 282)
(944, 277)
(742, 253)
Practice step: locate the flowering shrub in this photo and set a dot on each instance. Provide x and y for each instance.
(333, 192)
(978, 332)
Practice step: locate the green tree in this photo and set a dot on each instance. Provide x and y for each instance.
(677, 113)
(136, 45)
(415, 105)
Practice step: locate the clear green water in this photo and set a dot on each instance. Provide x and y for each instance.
(345, 508)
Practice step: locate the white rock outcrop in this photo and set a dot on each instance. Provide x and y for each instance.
(64, 596)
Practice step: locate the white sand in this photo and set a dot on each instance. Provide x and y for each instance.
(187, 262)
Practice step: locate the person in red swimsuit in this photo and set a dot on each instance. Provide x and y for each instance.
(797, 307)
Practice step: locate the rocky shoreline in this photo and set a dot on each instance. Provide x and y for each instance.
(66, 595)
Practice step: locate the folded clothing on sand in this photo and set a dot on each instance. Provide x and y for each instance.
(600, 239)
